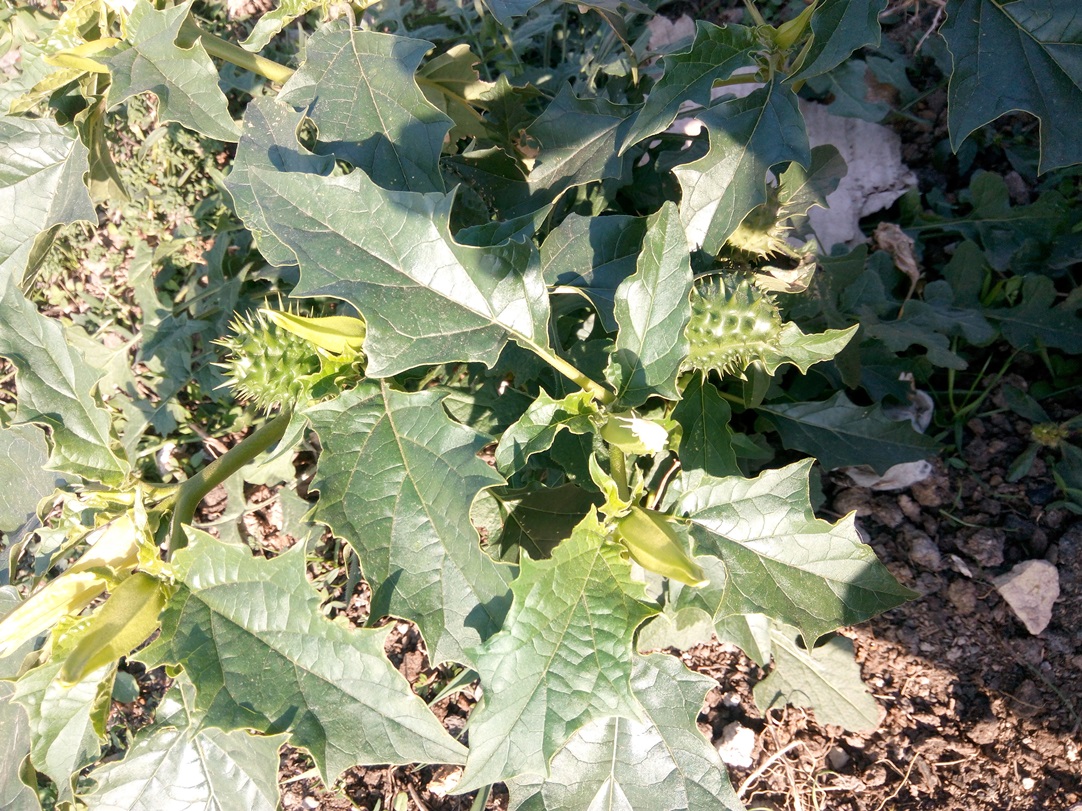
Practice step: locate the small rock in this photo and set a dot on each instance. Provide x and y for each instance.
(984, 733)
(1030, 589)
(665, 32)
(928, 583)
(736, 745)
(837, 758)
(887, 513)
(1028, 701)
(909, 508)
(985, 546)
(445, 780)
(928, 494)
(310, 802)
(853, 500)
(963, 596)
(1018, 189)
(924, 552)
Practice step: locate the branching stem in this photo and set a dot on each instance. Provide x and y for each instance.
(569, 371)
(191, 492)
(235, 55)
(618, 468)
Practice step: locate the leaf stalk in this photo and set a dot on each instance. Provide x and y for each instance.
(572, 373)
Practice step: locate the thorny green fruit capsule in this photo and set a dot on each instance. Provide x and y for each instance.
(652, 542)
(266, 363)
(733, 324)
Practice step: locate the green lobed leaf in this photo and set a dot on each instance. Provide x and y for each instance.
(178, 764)
(662, 763)
(1006, 232)
(24, 454)
(536, 430)
(1039, 320)
(572, 143)
(800, 189)
(751, 632)
(505, 10)
(714, 55)
(250, 634)
(268, 140)
(54, 384)
(1020, 55)
(535, 522)
(67, 724)
(804, 351)
(507, 110)
(271, 24)
(103, 178)
(838, 432)
(184, 79)
(675, 628)
(452, 85)
(359, 89)
(41, 186)
(15, 732)
(765, 552)
(747, 137)
(425, 298)
(593, 255)
(499, 180)
(396, 480)
(931, 321)
(563, 658)
(840, 27)
(850, 93)
(825, 679)
(706, 440)
(652, 309)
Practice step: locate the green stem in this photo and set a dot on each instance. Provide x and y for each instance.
(732, 398)
(569, 371)
(618, 468)
(234, 54)
(191, 492)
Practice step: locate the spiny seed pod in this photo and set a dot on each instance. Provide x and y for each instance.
(732, 325)
(267, 365)
(761, 235)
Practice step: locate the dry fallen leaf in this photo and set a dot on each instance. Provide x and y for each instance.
(892, 239)
(665, 33)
